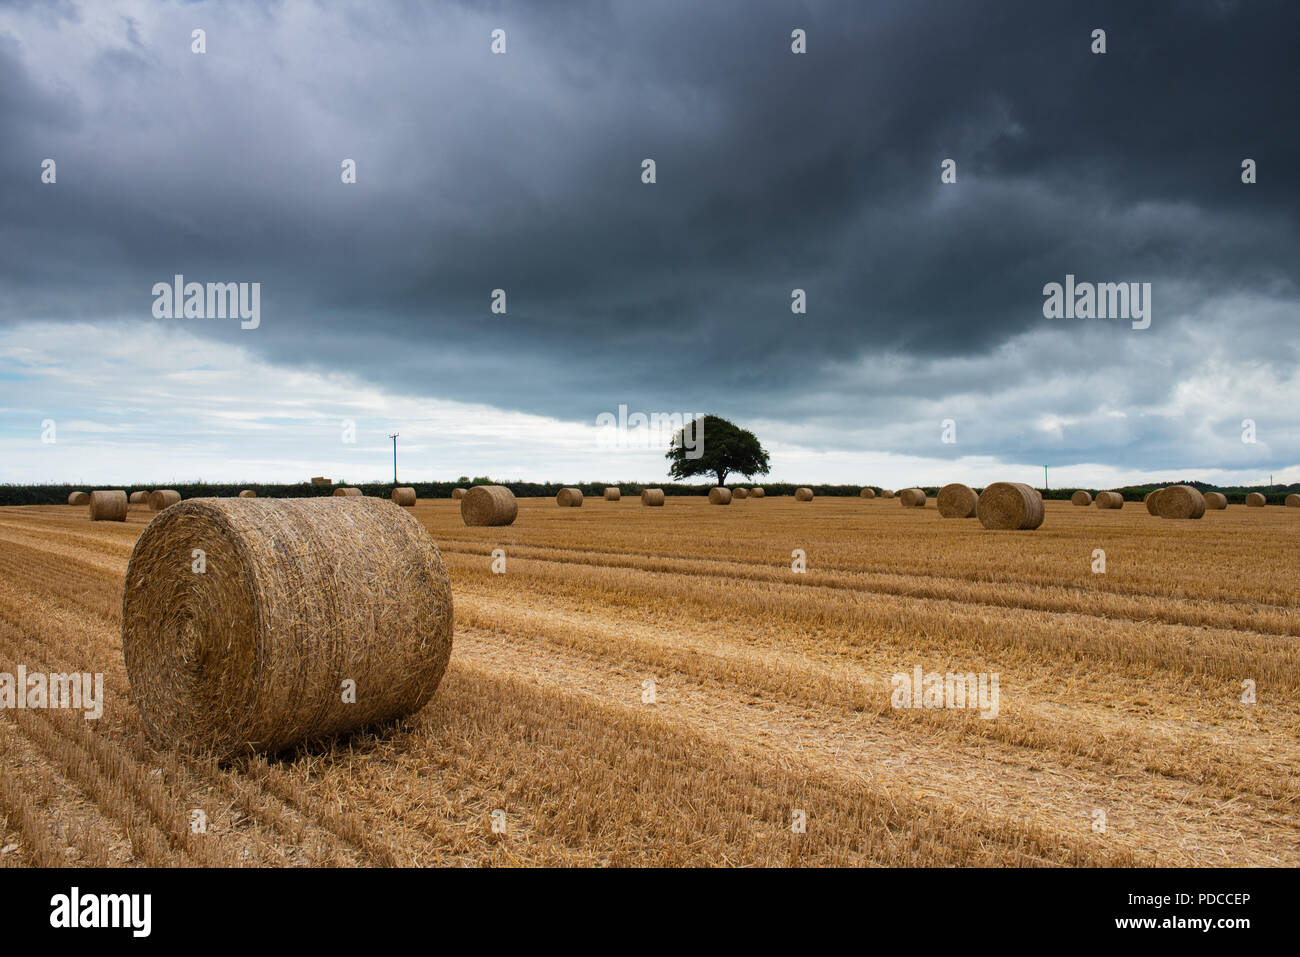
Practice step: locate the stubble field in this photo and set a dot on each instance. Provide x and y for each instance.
(1119, 693)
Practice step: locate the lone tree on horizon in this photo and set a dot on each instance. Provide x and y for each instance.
(723, 448)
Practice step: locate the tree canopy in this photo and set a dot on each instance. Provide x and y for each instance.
(714, 446)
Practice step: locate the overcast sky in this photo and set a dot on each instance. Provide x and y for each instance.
(774, 170)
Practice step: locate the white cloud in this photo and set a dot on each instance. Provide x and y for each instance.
(144, 403)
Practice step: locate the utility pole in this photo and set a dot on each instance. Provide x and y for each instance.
(1044, 478)
(394, 438)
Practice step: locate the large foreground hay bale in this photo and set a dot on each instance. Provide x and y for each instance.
(108, 506)
(803, 495)
(347, 491)
(1256, 500)
(1292, 501)
(613, 494)
(138, 498)
(1010, 505)
(1180, 501)
(299, 596)
(957, 501)
(1109, 500)
(1081, 498)
(404, 495)
(867, 493)
(912, 498)
(78, 498)
(719, 496)
(1152, 501)
(757, 492)
(1216, 500)
(740, 493)
(652, 496)
(247, 493)
(457, 494)
(569, 498)
(162, 498)
(489, 505)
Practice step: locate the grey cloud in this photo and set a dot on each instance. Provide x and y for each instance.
(775, 172)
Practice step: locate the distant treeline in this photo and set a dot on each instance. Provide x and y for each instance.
(58, 494)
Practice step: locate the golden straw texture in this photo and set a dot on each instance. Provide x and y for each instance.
(1181, 501)
(109, 506)
(1010, 505)
(299, 601)
(957, 501)
(162, 498)
(912, 498)
(489, 505)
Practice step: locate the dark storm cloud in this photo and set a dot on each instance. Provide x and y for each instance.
(775, 171)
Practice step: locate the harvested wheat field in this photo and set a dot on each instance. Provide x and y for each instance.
(660, 687)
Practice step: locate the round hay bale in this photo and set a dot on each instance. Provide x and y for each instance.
(1180, 501)
(957, 501)
(1152, 501)
(912, 498)
(887, 493)
(489, 505)
(1256, 500)
(347, 491)
(652, 496)
(1081, 498)
(247, 493)
(803, 495)
(1292, 500)
(719, 496)
(404, 496)
(740, 493)
(1010, 505)
(457, 494)
(251, 654)
(108, 506)
(162, 498)
(1216, 500)
(757, 492)
(867, 493)
(569, 498)
(78, 498)
(138, 498)
(613, 494)
(1109, 500)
